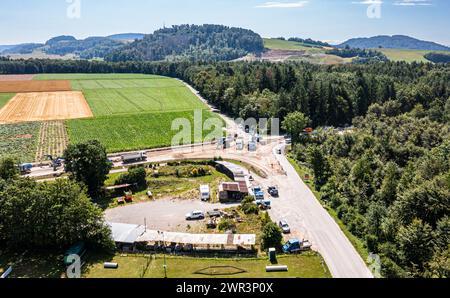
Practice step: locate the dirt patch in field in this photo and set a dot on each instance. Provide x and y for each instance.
(10, 78)
(34, 86)
(45, 106)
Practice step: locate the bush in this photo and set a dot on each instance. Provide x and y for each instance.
(271, 236)
(248, 206)
(136, 177)
(226, 224)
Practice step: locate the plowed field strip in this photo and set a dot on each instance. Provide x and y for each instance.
(34, 86)
(16, 77)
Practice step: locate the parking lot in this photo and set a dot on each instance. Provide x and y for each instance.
(163, 214)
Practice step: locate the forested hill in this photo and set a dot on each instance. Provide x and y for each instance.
(191, 42)
(394, 42)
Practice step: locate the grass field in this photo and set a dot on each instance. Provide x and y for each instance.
(83, 85)
(5, 97)
(130, 132)
(277, 44)
(19, 140)
(303, 266)
(139, 100)
(45, 265)
(405, 55)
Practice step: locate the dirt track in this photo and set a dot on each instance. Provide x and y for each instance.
(44, 106)
(34, 86)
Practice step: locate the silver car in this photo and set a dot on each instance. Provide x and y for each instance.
(195, 215)
(284, 227)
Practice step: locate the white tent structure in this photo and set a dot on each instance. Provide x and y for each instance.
(126, 234)
(243, 240)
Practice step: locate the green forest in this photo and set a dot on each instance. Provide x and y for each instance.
(191, 42)
(388, 178)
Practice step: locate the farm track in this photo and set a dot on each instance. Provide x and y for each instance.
(53, 140)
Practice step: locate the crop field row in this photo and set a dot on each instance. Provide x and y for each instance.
(131, 132)
(19, 140)
(83, 85)
(138, 100)
(52, 140)
(94, 76)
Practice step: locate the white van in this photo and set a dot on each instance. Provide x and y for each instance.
(205, 193)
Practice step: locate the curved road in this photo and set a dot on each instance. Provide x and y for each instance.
(297, 204)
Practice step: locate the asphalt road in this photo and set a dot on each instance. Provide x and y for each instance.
(300, 208)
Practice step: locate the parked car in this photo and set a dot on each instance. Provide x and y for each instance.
(259, 193)
(264, 204)
(195, 215)
(284, 227)
(273, 191)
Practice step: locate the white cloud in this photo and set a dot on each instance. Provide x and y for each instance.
(368, 2)
(298, 4)
(413, 3)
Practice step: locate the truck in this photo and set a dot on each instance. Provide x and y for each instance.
(134, 157)
(205, 193)
(295, 246)
(259, 193)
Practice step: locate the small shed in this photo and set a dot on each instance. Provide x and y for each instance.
(233, 191)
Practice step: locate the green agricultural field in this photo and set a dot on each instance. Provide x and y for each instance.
(405, 55)
(95, 76)
(4, 98)
(19, 140)
(132, 131)
(277, 44)
(84, 85)
(126, 100)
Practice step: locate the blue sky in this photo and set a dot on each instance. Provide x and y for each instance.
(329, 20)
